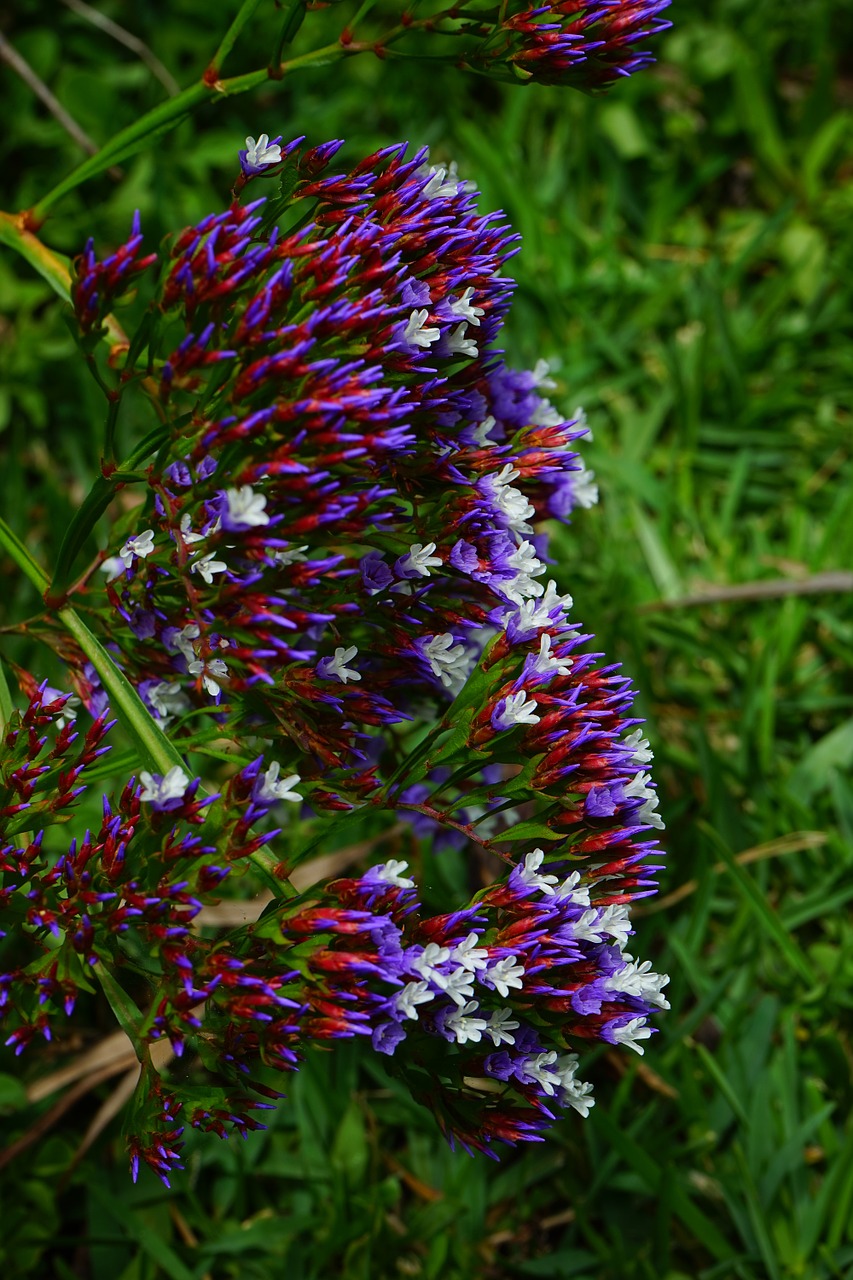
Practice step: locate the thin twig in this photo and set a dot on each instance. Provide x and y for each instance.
(129, 40)
(772, 589)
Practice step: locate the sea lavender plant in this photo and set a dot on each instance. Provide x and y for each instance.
(337, 581)
(578, 44)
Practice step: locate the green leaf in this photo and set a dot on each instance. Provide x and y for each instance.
(654, 1174)
(763, 913)
(7, 707)
(532, 830)
(833, 751)
(13, 1094)
(128, 1015)
(139, 1230)
(349, 1155)
(156, 750)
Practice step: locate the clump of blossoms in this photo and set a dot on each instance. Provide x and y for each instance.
(339, 580)
(579, 44)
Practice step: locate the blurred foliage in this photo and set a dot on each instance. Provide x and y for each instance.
(687, 266)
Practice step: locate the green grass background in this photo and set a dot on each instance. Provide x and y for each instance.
(688, 266)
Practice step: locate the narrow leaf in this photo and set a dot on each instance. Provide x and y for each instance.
(156, 750)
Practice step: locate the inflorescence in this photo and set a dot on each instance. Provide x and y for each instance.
(340, 576)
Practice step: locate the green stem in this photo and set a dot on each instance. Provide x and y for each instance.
(10, 541)
(170, 113)
(245, 12)
(93, 507)
(155, 748)
(294, 16)
(6, 705)
(126, 142)
(264, 862)
(157, 751)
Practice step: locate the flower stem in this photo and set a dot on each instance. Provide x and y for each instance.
(245, 12)
(168, 114)
(294, 15)
(11, 543)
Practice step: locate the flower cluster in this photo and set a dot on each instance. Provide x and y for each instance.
(588, 44)
(339, 581)
(100, 282)
(579, 44)
(480, 1006)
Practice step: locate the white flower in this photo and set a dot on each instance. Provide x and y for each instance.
(337, 665)
(246, 509)
(541, 375)
(168, 699)
(464, 1026)
(616, 921)
(207, 566)
(459, 985)
(391, 872)
(538, 1069)
(427, 962)
(269, 786)
(647, 813)
(525, 560)
(570, 888)
(584, 489)
(633, 1031)
(141, 545)
(183, 642)
(640, 981)
(641, 752)
(420, 559)
(448, 660)
(528, 873)
(416, 335)
(505, 974)
(533, 615)
(528, 566)
(187, 534)
(159, 791)
(460, 345)
(638, 787)
(545, 415)
(482, 432)
(580, 420)
(462, 307)
(510, 501)
(413, 994)
(211, 671)
(598, 921)
(469, 955)
(260, 154)
(500, 1025)
(69, 708)
(547, 661)
(290, 555)
(443, 181)
(113, 567)
(575, 1093)
(517, 709)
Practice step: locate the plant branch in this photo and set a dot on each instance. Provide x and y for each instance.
(9, 54)
(226, 44)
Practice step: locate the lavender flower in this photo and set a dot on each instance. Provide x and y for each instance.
(340, 559)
